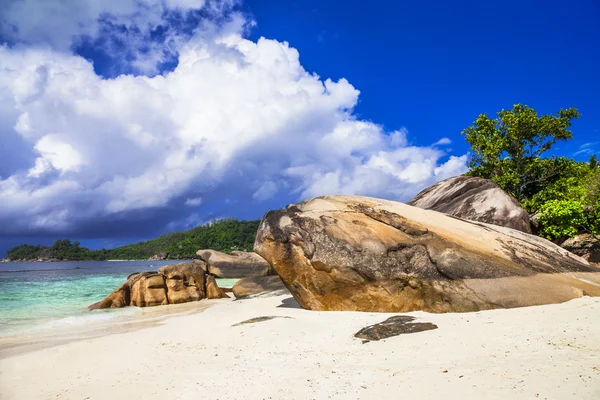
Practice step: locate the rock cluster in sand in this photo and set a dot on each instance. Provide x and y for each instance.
(172, 284)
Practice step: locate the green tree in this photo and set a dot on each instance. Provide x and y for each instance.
(508, 149)
(593, 162)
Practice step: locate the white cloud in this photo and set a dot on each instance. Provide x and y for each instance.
(442, 142)
(266, 191)
(193, 201)
(233, 114)
(120, 27)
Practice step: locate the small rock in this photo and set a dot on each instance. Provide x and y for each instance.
(393, 326)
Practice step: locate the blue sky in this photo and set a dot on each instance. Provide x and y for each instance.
(123, 121)
(433, 66)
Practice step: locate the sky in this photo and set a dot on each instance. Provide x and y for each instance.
(121, 120)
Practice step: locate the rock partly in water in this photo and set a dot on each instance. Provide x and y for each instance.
(585, 245)
(393, 326)
(259, 285)
(172, 284)
(238, 264)
(475, 199)
(185, 282)
(148, 289)
(366, 254)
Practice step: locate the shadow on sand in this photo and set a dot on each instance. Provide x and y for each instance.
(289, 302)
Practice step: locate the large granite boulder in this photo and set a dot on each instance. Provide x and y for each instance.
(475, 199)
(272, 285)
(366, 254)
(238, 264)
(172, 284)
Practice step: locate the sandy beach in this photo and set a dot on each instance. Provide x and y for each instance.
(545, 352)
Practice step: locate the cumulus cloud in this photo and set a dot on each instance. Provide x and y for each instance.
(237, 122)
(138, 35)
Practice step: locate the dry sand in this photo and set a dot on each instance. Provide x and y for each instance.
(544, 352)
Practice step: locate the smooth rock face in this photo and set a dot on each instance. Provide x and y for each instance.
(393, 326)
(172, 284)
(259, 285)
(475, 199)
(585, 245)
(238, 264)
(366, 254)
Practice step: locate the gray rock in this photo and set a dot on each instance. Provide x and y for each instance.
(474, 199)
(238, 264)
(393, 326)
(585, 245)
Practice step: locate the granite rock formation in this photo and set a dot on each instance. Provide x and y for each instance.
(475, 199)
(172, 284)
(259, 285)
(238, 264)
(366, 254)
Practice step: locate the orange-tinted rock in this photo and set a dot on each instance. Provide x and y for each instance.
(172, 284)
(185, 282)
(149, 290)
(213, 291)
(366, 254)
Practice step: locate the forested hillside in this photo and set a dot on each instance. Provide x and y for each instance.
(223, 235)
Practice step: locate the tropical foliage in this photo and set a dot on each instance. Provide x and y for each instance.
(509, 150)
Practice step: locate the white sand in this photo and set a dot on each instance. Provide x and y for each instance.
(546, 352)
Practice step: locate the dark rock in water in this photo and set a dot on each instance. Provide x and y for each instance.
(238, 264)
(258, 319)
(172, 284)
(259, 285)
(475, 199)
(393, 326)
(352, 253)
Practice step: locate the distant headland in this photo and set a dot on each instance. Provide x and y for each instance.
(224, 235)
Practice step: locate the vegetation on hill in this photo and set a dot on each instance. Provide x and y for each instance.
(223, 235)
(509, 149)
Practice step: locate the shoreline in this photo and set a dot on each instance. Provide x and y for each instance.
(123, 320)
(549, 351)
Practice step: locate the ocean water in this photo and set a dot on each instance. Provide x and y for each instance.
(38, 295)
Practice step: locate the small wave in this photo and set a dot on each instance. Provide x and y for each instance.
(96, 316)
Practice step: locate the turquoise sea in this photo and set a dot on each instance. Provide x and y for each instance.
(38, 295)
